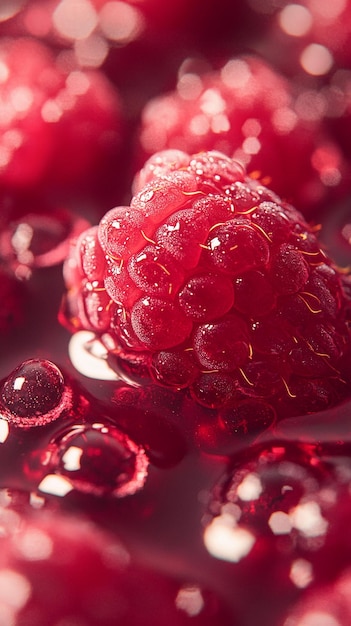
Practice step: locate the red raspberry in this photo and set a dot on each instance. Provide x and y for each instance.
(217, 287)
(45, 108)
(251, 112)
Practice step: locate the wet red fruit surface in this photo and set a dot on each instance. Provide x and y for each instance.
(219, 286)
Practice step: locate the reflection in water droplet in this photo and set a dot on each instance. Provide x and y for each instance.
(55, 485)
(227, 541)
(89, 356)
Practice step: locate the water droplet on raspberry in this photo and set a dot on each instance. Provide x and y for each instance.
(96, 302)
(217, 167)
(159, 165)
(273, 222)
(34, 394)
(119, 285)
(98, 459)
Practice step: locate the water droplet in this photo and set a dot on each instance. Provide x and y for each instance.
(34, 394)
(98, 459)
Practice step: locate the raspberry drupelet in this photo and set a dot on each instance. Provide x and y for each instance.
(211, 284)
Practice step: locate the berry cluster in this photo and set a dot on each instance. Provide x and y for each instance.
(214, 285)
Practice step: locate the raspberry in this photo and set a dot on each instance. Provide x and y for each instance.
(45, 109)
(242, 306)
(250, 111)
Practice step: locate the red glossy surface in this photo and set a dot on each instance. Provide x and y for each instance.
(261, 265)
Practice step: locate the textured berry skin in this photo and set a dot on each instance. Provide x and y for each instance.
(244, 305)
(250, 111)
